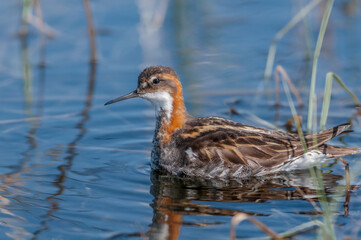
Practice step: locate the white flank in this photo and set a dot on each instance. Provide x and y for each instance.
(309, 159)
(162, 101)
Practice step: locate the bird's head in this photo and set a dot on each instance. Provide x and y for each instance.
(161, 86)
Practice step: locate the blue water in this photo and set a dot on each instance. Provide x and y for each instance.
(73, 169)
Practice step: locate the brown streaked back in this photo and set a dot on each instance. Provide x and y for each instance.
(212, 139)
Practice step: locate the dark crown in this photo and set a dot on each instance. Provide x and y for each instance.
(150, 71)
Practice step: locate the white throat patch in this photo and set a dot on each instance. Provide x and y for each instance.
(162, 101)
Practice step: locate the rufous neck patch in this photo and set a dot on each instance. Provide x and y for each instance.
(178, 116)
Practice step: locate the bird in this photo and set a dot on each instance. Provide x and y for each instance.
(215, 147)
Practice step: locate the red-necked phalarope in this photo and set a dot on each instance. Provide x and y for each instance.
(219, 148)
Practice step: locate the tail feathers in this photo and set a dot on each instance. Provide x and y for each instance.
(338, 151)
(337, 130)
(325, 135)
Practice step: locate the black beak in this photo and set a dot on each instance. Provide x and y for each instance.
(127, 96)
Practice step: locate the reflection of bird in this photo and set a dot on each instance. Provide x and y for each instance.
(176, 198)
(217, 147)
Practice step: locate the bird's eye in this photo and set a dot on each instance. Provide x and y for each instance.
(156, 80)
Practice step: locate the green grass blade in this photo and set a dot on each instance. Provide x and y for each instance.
(321, 35)
(327, 228)
(326, 100)
(327, 96)
(353, 96)
(27, 7)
